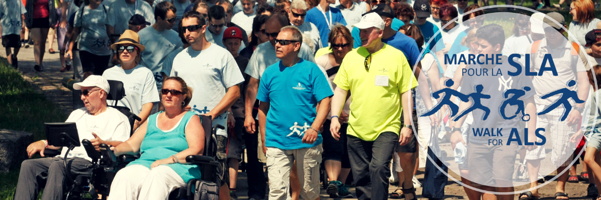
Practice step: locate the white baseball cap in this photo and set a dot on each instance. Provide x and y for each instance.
(536, 23)
(371, 20)
(94, 81)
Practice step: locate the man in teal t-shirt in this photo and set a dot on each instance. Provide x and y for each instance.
(297, 95)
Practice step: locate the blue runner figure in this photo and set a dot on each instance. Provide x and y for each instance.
(566, 95)
(446, 99)
(515, 101)
(477, 97)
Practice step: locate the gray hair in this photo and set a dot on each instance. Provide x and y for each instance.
(298, 4)
(296, 33)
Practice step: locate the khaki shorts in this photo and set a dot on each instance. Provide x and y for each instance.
(279, 163)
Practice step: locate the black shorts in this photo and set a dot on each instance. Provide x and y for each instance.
(411, 147)
(40, 23)
(335, 149)
(235, 140)
(11, 40)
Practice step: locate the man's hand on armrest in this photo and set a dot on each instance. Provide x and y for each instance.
(35, 147)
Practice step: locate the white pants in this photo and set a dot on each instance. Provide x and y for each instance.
(139, 182)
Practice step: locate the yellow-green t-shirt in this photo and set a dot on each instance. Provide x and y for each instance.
(375, 93)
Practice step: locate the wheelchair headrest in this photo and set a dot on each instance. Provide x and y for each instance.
(117, 91)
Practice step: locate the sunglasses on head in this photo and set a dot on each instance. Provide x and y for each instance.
(129, 48)
(297, 14)
(88, 91)
(173, 92)
(335, 46)
(275, 34)
(285, 42)
(367, 62)
(191, 28)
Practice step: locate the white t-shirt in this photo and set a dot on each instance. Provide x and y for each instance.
(120, 12)
(161, 48)
(264, 56)
(244, 21)
(353, 14)
(110, 125)
(517, 45)
(138, 82)
(93, 36)
(10, 16)
(579, 30)
(310, 31)
(209, 73)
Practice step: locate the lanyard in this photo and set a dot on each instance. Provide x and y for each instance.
(325, 16)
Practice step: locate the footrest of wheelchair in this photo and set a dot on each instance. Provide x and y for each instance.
(202, 160)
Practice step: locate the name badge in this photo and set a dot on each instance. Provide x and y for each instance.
(381, 80)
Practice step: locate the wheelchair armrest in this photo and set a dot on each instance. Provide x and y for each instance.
(202, 160)
(126, 158)
(51, 152)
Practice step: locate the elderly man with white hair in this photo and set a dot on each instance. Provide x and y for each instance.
(296, 14)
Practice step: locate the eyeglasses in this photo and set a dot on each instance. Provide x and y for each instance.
(129, 48)
(171, 20)
(173, 92)
(367, 62)
(191, 28)
(285, 42)
(217, 25)
(297, 14)
(274, 34)
(336, 46)
(88, 92)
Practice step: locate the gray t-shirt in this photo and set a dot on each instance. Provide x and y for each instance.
(93, 36)
(10, 16)
(161, 48)
(120, 12)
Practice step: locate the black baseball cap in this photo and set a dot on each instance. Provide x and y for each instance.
(592, 37)
(422, 8)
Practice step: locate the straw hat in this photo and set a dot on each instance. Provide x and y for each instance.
(128, 37)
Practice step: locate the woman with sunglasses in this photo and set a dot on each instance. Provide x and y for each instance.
(164, 141)
(90, 32)
(139, 83)
(335, 155)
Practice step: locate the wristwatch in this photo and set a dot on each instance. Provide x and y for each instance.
(408, 126)
(455, 129)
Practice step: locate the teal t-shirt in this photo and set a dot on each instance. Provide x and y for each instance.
(160, 144)
(293, 93)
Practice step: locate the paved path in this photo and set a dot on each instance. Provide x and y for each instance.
(49, 82)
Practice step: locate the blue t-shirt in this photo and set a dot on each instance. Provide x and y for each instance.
(293, 93)
(406, 44)
(396, 25)
(323, 24)
(428, 31)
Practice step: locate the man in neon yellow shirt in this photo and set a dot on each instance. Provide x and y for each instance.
(380, 80)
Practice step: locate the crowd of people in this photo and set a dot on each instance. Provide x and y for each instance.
(302, 84)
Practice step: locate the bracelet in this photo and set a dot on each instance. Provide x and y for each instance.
(174, 159)
(311, 128)
(334, 116)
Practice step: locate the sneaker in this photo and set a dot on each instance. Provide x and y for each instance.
(343, 191)
(38, 68)
(416, 183)
(221, 147)
(540, 5)
(332, 189)
(233, 195)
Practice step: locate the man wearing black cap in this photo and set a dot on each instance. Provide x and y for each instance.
(137, 23)
(161, 41)
(429, 30)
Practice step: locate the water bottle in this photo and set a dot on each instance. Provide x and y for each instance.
(460, 153)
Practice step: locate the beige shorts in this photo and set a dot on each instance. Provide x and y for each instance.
(279, 163)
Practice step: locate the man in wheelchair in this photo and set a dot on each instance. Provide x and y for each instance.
(96, 122)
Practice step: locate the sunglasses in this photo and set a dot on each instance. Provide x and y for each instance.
(285, 42)
(171, 20)
(191, 28)
(129, 48)
(173, 92)
(335, 46)
(275, 34)
(88, 91)
(297, 15)
(367, 62)
(217, 25)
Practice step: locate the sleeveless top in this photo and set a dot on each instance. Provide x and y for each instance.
(160, 144)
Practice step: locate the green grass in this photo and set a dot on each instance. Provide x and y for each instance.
(23, 109)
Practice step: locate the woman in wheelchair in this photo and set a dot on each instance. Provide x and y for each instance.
(164, 141)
